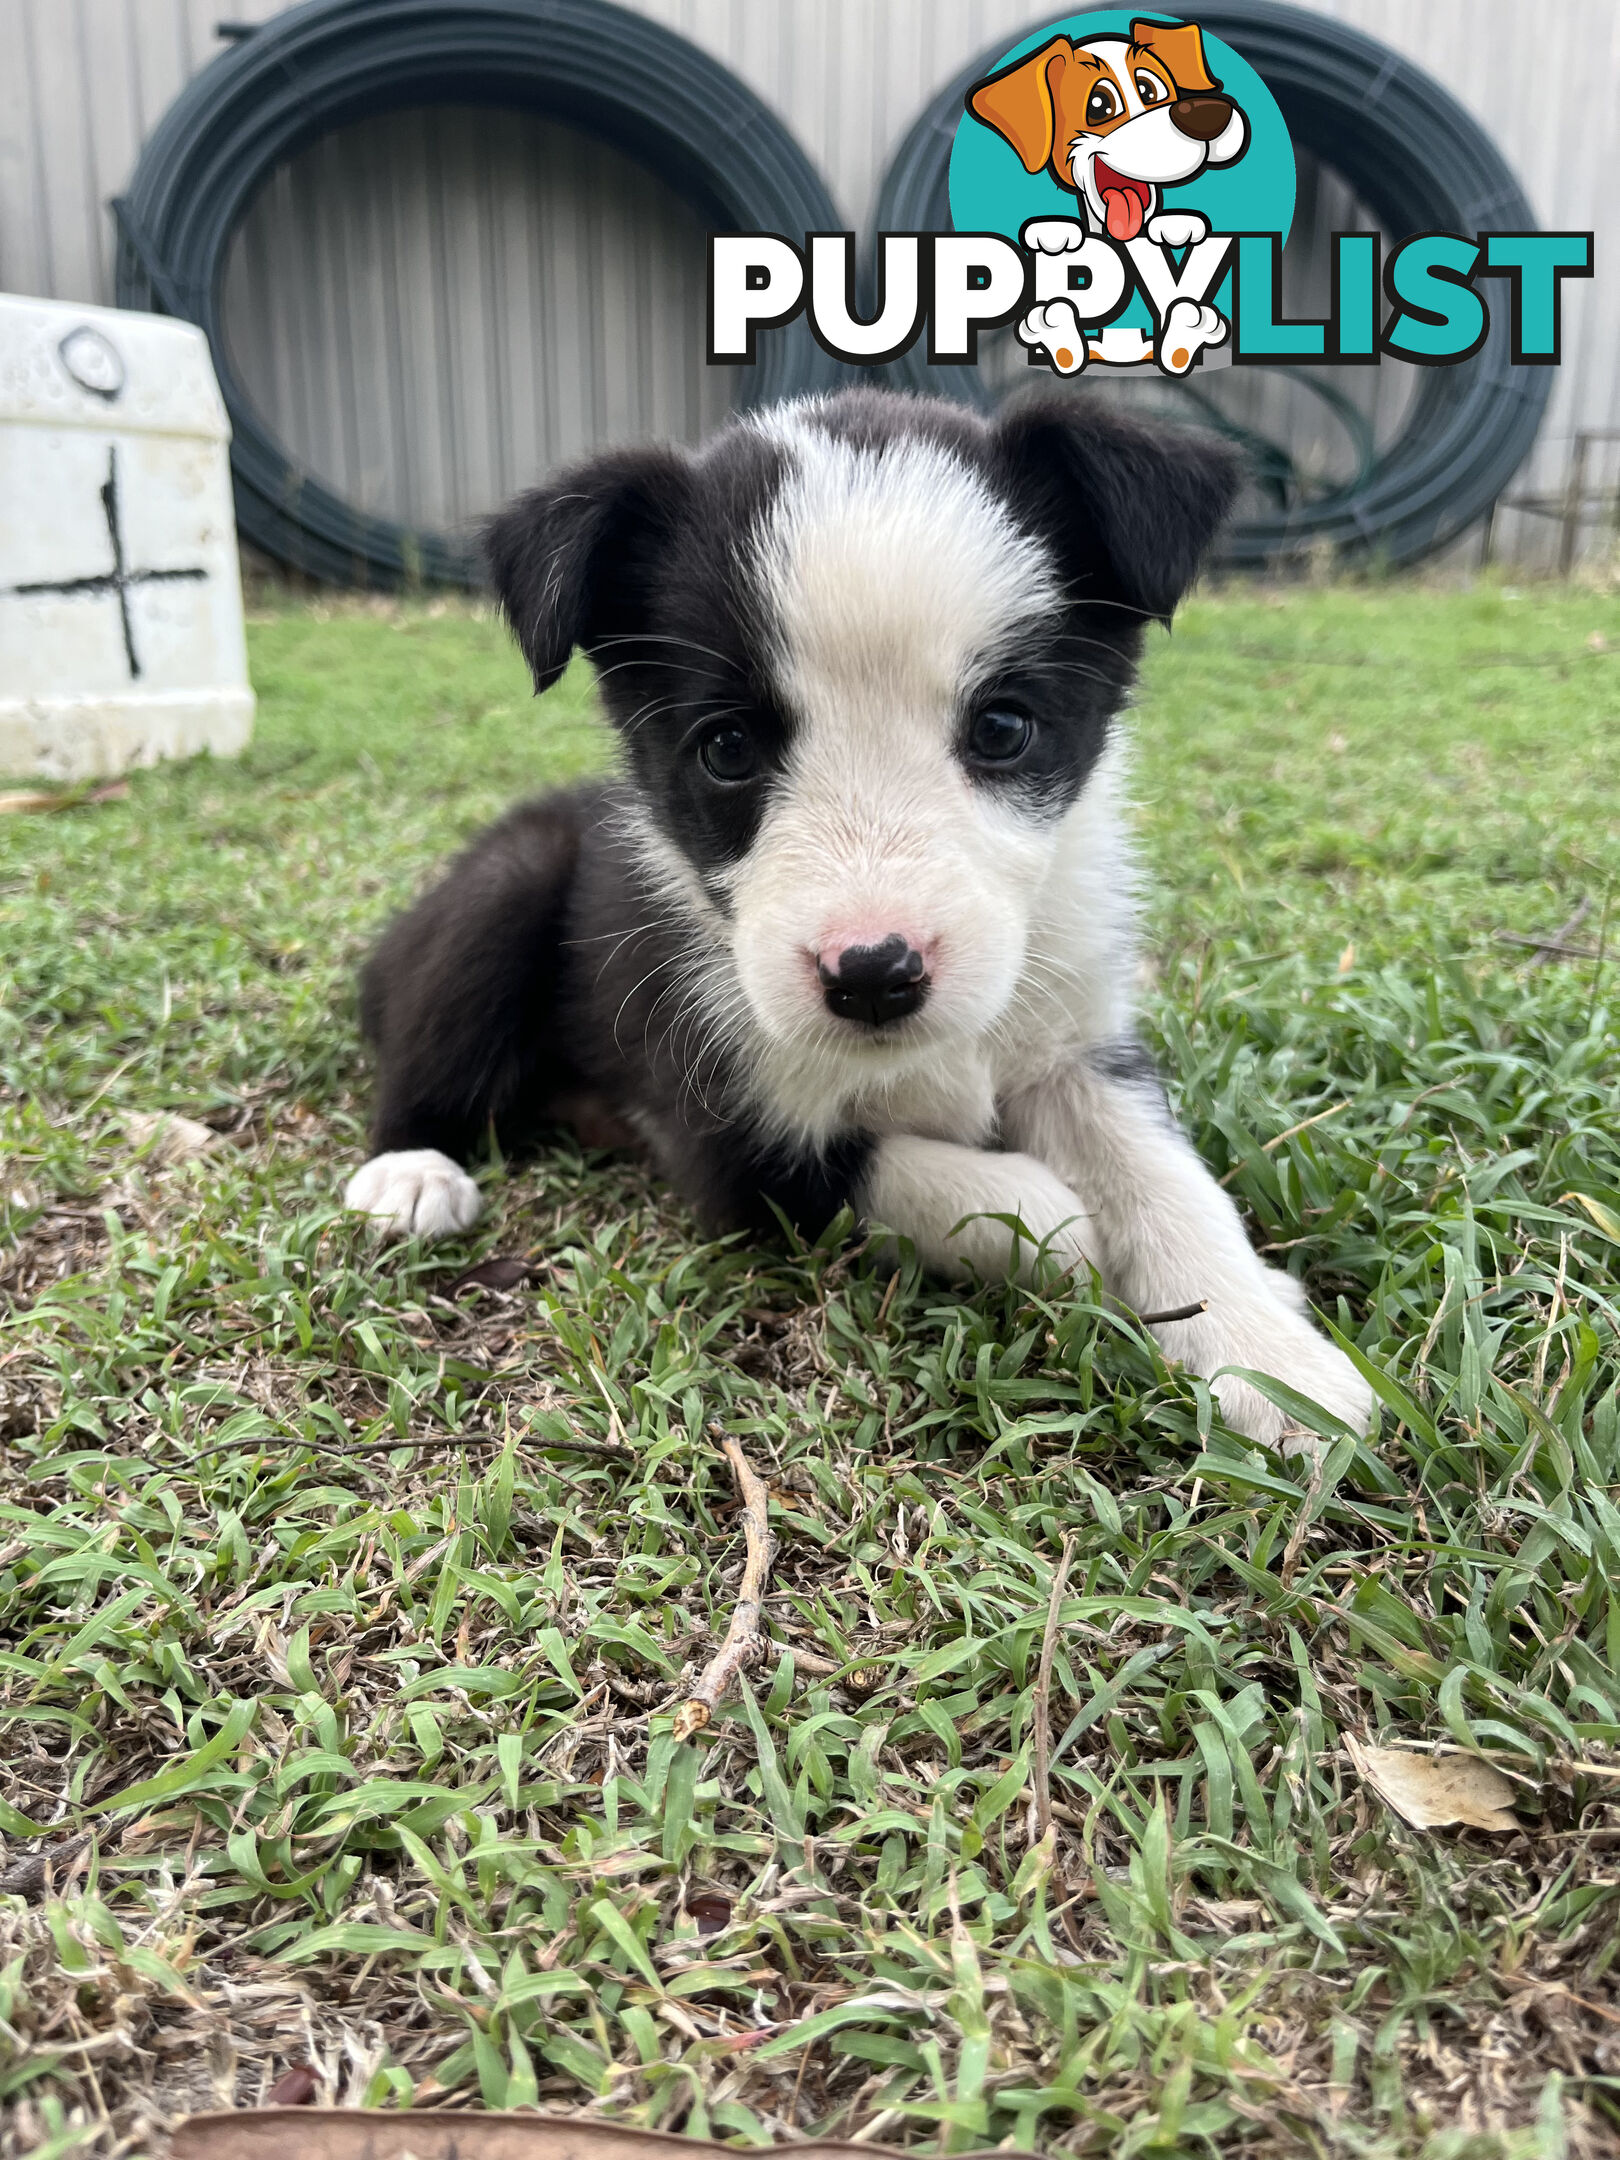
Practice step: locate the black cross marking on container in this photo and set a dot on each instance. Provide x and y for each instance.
(120, 578)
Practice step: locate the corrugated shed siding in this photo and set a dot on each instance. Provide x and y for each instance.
(392, 331)
(437, 306)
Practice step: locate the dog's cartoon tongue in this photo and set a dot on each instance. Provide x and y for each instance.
(1124, 208)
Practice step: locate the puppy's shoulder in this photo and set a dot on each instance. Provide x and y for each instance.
(494, 919)
(542, 838)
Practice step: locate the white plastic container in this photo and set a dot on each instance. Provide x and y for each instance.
(121, 635)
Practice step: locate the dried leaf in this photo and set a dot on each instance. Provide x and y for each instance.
(1430, 1790)
(1605, 1218)
(425, 2134)
(711, 1911)
(296, 2087)
(502, 1271)
(168, 1137)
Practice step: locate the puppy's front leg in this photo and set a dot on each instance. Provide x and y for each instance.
(1167, 1236)
(923, 1189)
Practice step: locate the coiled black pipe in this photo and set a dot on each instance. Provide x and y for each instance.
(1421, 164)
(628, 81)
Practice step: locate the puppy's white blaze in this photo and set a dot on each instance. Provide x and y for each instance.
(892, 574)
(895, 582)
(414, 1192)
(1116, 51)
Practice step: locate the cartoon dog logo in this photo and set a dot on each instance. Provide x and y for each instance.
(1117, 120)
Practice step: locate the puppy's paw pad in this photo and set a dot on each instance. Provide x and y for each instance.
(1055, 236)
(1189, 329)
(415, 1192)
(1177, 228)
(1056, 326)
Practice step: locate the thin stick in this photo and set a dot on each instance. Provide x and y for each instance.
(742, 1647)
(1564, 931)
(367, 1450)
(1545, 948)
(1176, 1312)
(1043, 1694)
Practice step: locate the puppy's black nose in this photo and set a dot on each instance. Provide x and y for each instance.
(874, 983)
(1203, 118)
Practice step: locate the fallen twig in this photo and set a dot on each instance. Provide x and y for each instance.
(27, 1878)
(374, 1450)
(1043, 1694)
(1176, 1312)
(63, 799)
(30, 1877)
(1543, 949)
(1525, 1983)
(1555, 946)
(742, 1647)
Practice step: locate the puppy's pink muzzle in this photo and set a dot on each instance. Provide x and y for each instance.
(852, 939)
(873, 977)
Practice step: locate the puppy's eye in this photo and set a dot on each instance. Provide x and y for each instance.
(1000, 734)
(1149, 88)
(1101, 105)
(728, 754)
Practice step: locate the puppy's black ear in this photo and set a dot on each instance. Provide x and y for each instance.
(1130, 506)
(571, 562)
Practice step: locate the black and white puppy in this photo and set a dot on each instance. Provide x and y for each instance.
(856, 924)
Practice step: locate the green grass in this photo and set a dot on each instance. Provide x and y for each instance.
(344, 1603)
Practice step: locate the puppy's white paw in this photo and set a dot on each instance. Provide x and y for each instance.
(1288, 1290)
(1188, 330)
(1291, 1351)
(1177, 228)
(1268, 1335)
(1055, 235)
(416, 1192)
(1057, 327)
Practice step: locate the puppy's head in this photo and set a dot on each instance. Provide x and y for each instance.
(863, 654)
(1117, 118)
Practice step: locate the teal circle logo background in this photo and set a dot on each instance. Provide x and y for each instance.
(991, 192)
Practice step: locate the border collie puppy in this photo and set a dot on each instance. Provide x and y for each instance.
(856, 924)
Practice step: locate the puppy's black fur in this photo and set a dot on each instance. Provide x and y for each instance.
(537, 973)
(547, 963)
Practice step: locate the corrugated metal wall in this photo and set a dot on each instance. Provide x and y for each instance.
(437, 306)
(427, 353)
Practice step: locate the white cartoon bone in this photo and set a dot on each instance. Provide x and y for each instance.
(1123, 345)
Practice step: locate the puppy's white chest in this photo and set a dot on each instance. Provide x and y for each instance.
(954, 1100)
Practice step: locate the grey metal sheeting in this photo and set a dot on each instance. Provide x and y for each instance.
(601, 69)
